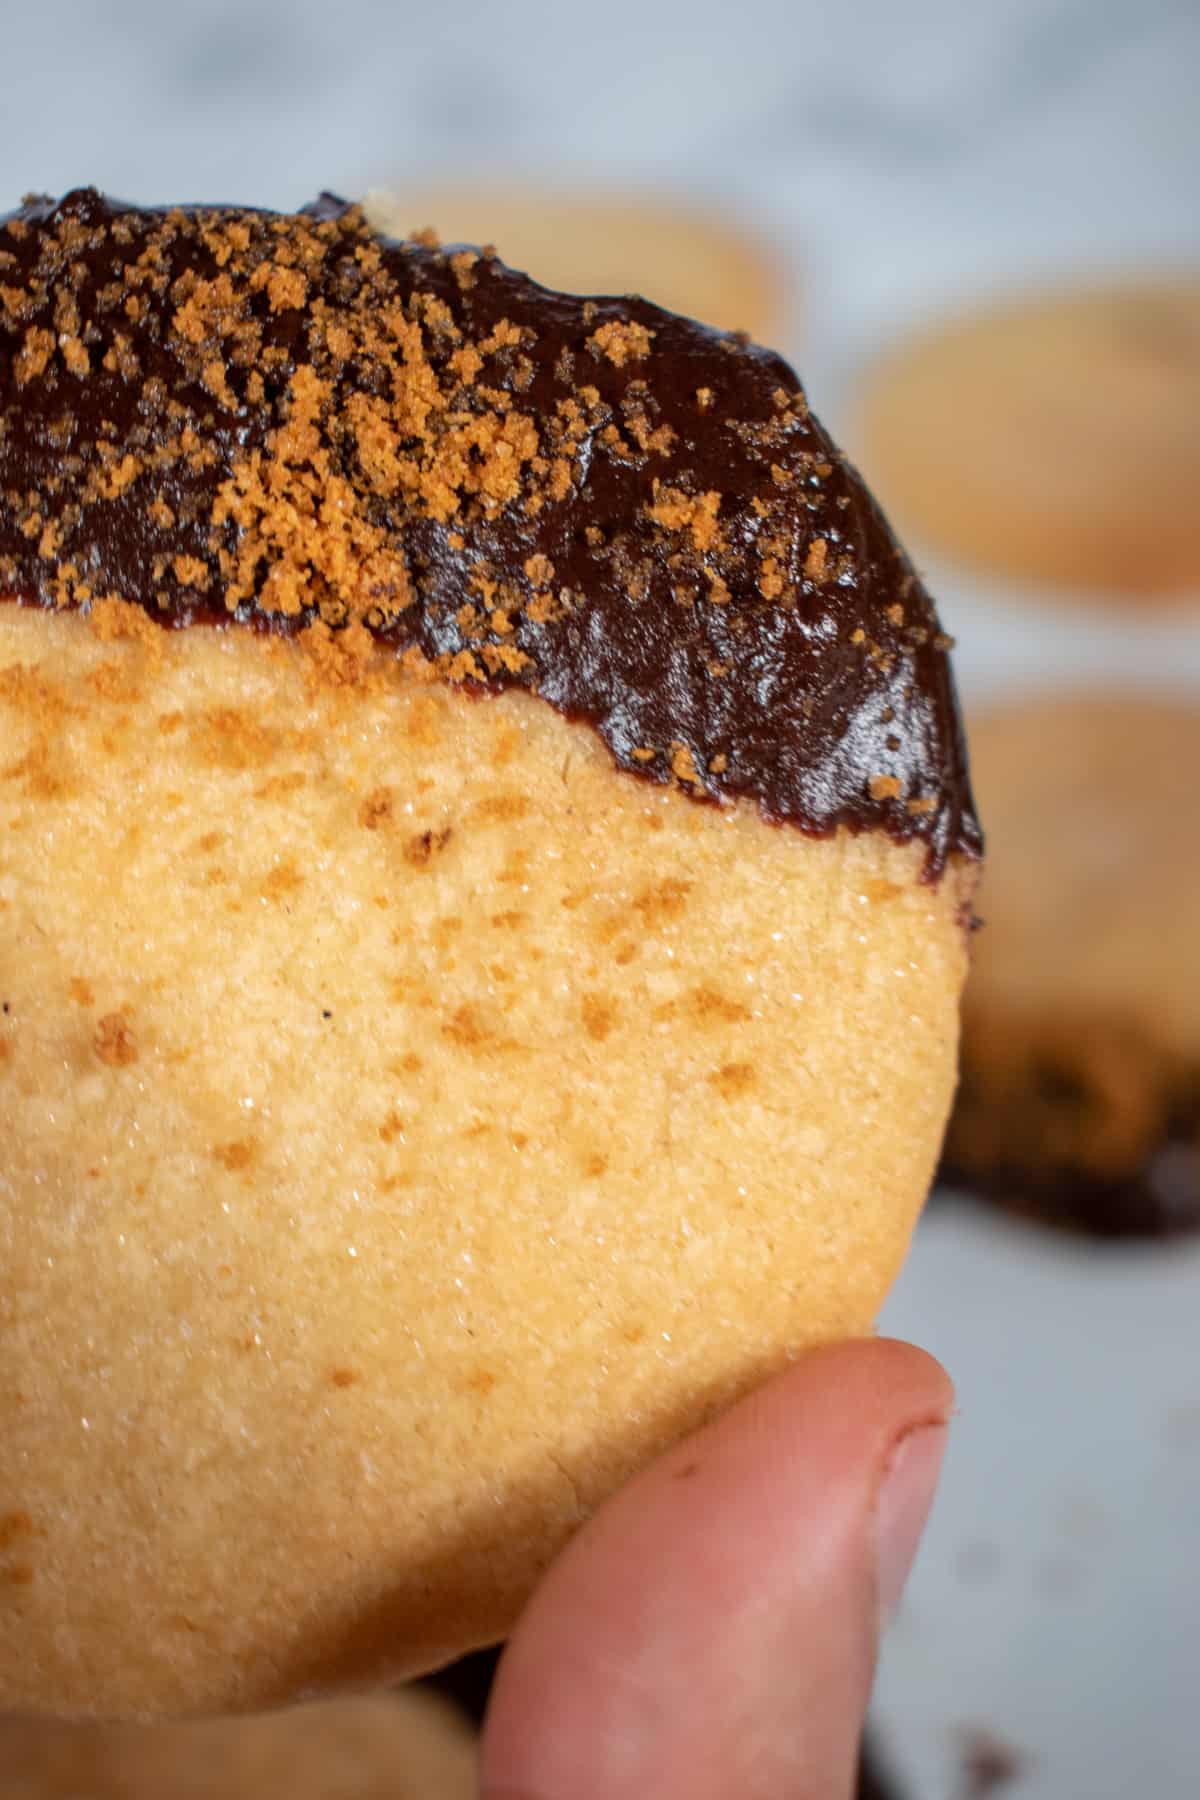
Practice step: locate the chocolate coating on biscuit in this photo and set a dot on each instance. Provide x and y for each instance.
(1157, 1198)
(1082, 1124)
(1162, 1201)
(228, 416)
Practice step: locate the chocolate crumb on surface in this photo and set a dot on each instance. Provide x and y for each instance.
(221, 415)
(989, 1765)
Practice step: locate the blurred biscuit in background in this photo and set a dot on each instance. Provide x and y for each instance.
(691, 260)
(406, 1746)
(1054, 438)
(1080, 1089)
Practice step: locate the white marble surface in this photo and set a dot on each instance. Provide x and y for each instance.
(904, 152)
(904, 156)
(1057, 1599)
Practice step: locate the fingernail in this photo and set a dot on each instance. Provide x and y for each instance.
(905, 1497)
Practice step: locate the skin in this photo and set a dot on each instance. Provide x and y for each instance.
(713, 1630)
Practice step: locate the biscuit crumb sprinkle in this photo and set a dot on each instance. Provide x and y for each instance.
(622, 341)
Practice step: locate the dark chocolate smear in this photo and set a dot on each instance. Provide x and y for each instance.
(681, 557)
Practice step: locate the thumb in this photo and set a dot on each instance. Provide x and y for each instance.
(713, 1629)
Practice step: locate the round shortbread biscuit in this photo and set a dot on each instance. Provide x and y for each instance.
(485, 847)
(1054, 438)
(405, 1746)
(697, 262)
(1080, 1091)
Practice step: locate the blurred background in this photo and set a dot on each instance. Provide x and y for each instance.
(993, 206)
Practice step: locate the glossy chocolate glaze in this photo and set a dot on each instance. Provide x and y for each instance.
(789, 656)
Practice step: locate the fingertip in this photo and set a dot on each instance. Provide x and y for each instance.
(678, 1627)
(907, 1375)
